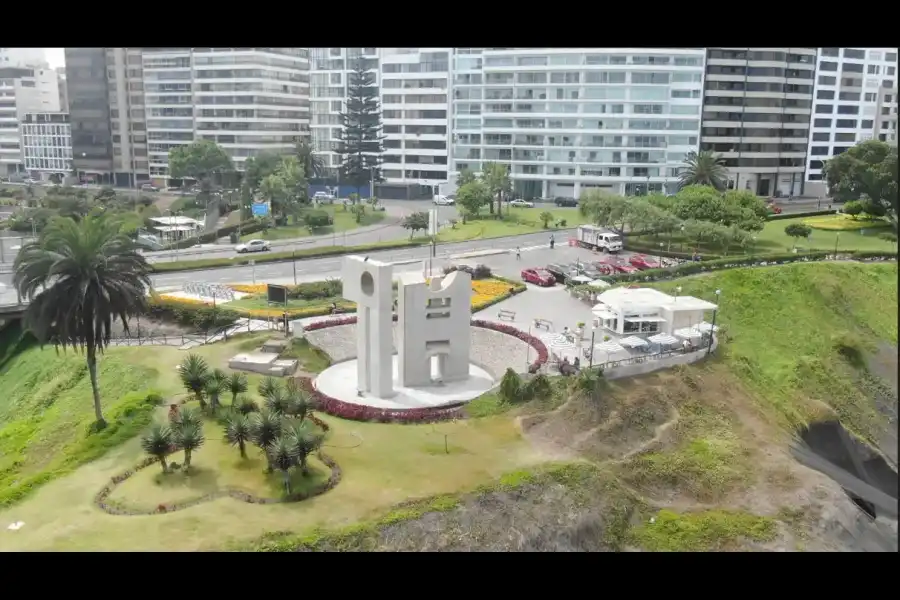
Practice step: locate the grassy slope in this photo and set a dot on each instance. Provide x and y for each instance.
(519, 221)
(343, 221)
(784, 327)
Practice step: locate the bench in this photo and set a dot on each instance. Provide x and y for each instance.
(506, 314)
(542, 324)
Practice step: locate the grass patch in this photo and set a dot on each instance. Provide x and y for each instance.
(844, 223)
(343, 221)
(707, 531)
(786, 329)
(312, 359)
(491, 404)
(518, 221)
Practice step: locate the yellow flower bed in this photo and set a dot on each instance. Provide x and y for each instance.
(248, 288)
(843, 223)
(180, 300)
(487, 290)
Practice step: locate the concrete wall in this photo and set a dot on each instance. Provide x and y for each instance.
(681, 319)
(434, 322)
(368, 283)
(649, 366)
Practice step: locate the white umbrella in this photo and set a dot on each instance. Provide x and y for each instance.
(663, 339)
(559, 345)
(634, 342)
(609, 347)
(688, 332)
(705, 327)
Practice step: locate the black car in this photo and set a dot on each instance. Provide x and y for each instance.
(561, 272)
(568, 202)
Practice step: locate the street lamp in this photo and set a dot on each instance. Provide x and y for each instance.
(837, 236)
(712, 330)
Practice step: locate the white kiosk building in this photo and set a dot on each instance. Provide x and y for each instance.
(630, 311)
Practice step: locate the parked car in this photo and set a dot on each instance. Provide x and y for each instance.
(253, 246)
(604, 268)
(625, 268)
(541, 277)
(149, 187)
(521, 203)
(642, 262)
(441, 200)
(323, 198)
(559, 271)
(30, 180)
(569, 202)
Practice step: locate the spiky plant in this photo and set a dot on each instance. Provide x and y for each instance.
(278, 401)
(282, 455)
(267, 386)
(194, 373)
(265, 427)
(246, 405)
(306, 439)
(300, 401)
(187, 416)
(188, 436)
(238, 431)
(237, 384)
(215, 386)
(704, 168)
(157, 442)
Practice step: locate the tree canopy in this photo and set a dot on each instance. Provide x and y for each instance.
(472, 197)
(867, 171)
(360, 146)
(704, 168)
(198, 160)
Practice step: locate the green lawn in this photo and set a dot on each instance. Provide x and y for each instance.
(772, 240)
(343, 221)
(518, 221)
(258, 302)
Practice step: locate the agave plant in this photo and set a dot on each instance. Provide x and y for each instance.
(265, 427)
(194, 372)
(267, 386)
(278, 401)
(158, 443)
(237, 384)
(188, 436)
(300, 401)
(245, 405)
(215, 386)
(186, 416)
(306, 440)
(282, 455)
(238, 431)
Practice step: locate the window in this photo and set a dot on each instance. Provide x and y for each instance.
(819, 151)
(845, 137)
(848, 109)
(873, 69)
(824, 123)
(840, 149)
(867, 124)
(874, 55)
(825, 95)
(890, 71)
(821, 136)
(851, 68)
(854, 53)
(827, 80)
(870, 97)
(846, 124)
(849, 96)
(824, 109)
(887, 83)
(827, 65)
(890, 57)
(831, 52)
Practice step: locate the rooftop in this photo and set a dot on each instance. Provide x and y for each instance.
(170, 221)
(622, 298)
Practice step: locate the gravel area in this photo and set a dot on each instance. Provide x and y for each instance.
(491, 350)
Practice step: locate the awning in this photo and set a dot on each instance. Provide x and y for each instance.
(633, 341)
(663, 339)
(602, 311)
(645, 320)
(609, 347)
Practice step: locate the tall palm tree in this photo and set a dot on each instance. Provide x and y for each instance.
(158, 443)
(188, 437)
(300, 401)
(312, 163)
(215, 387)
(237, 384)
(704, 168)
(305, 439)
(91, 275)
(194, 373)
(265, 427)
(282, 455)
(238, 431)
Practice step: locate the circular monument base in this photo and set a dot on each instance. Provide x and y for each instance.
(339, 382)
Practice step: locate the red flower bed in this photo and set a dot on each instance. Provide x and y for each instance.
(358, 412)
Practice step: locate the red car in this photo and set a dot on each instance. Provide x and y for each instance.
(604, 268)
(612, 267)
(641, 262)
(540, 277)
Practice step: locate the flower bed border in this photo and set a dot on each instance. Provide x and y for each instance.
(115, 509)
(358, 412)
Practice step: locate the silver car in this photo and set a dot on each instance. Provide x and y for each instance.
(253, 246)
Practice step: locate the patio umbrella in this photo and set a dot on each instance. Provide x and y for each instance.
(705, 327)
(609, 347)
(663, 339)
(559, 345)
(634, 341)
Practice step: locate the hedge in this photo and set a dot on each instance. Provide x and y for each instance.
(691, 268)
(656, 251)
(812, 213)
(212, 263)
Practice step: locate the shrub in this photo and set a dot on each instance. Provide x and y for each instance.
(853, 208)
(511, 387)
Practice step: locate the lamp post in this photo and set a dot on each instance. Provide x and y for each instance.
(837, 237)
(591, 355)
(712, 330)
(681, 238)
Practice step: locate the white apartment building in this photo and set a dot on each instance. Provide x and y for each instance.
(247, 100)
(23, 57)
(570, 119)
(22, 90)
(415, 87)
(47, 145)
(855, 100)
(329, 77)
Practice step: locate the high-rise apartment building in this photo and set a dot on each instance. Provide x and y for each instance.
(329, 78)
(63, 91)
(415, 102)
(89, 113)
(247, 100)
(855, 96)
(22, 90)
(756, 115)
(571, 119)
(47, 145)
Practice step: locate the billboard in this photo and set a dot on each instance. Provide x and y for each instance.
(276, 294)
(260, 209)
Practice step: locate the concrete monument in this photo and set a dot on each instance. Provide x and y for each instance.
(434, 338)
(368, 283)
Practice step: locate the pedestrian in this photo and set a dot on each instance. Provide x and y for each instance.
(552, 241)
(518, 253)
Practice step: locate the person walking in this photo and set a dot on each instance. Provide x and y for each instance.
(518, 253)
(552, 241)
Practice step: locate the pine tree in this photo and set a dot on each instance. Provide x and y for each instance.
(360, 146)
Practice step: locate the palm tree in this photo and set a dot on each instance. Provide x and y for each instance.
(704, 168)
(305, 440)
(215, 386)
(186, 416)
(266, 386)
(312, 163)
(300, 401)
(282, 455)
(238, 432)
(158, 443)
(194, 373)
(245, 405)
(188, 436)
(237, 384)
(279, 402)
(91, 275)
(265, 427)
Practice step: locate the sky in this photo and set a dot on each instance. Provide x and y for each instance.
(55, 56)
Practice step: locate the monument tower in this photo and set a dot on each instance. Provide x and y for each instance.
(368, 283)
